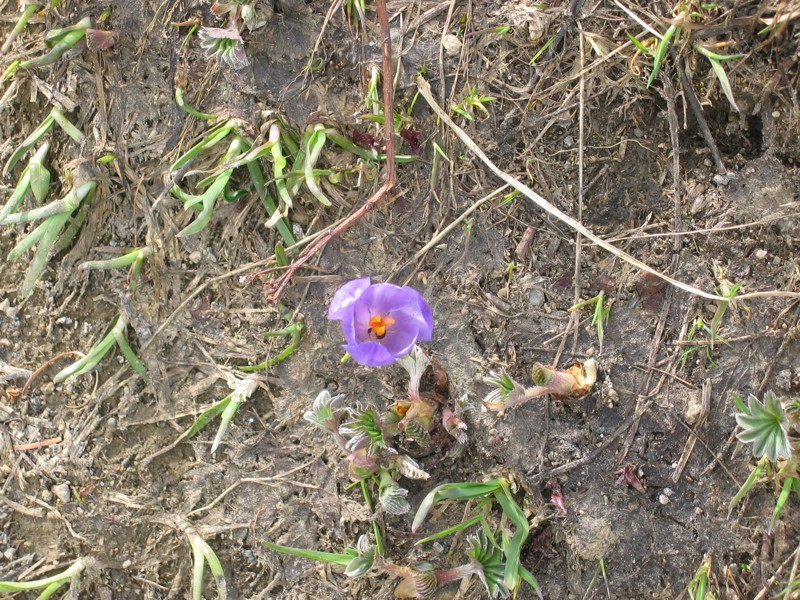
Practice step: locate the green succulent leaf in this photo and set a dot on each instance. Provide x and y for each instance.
(764, 426)
(489, 556)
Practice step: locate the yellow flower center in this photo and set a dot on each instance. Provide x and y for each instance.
(378, 325)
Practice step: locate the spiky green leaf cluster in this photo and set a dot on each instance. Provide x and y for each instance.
(764, 425)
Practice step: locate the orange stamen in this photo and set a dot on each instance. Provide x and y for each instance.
(379, 323)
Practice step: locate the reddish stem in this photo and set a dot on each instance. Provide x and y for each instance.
(388, 128)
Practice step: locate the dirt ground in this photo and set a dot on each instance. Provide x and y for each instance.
(89, 467)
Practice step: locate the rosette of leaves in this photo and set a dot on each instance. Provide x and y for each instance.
(764, 425)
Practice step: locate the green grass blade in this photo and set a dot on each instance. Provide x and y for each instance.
(52, 229)
(328, 557)
(282, 225)
(719, 71)
(214, 136)
(661, 52)
(198, 568)
(528, 578)
(17, 196)
(119, 262)
(751, 480)
(51, 589)
(315, 144)
(29, 142)
(473, 520)
(207, 416)
(67, 126)
(128, 352)
(215, 566)
(780, 503)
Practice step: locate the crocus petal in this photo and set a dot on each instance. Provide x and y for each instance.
(345, 296)
(400, 338)
(385, 298)
(370, 354)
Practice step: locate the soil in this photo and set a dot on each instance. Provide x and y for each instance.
(101, 477)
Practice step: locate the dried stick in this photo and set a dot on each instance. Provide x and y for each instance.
(372, 201)
(425, 90)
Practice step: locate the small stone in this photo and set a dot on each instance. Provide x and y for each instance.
(451, 44)
(638, 133)
(698, 204)
(663, 499)
(569, 141)
(694, 408)
(62, 492)
(776, 114)
(64, 321)
(761, 254)
(127, 564)
(196, 257)
(9, 553)
(537, 297)
(47, 496)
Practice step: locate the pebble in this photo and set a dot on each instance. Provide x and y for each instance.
(698, 204)
(64, 321)
(451, 44)
(9, 553)
(195, 257)
(761, 254)
(569, 141)
(537, 297)
(62, 492)
(47, 496)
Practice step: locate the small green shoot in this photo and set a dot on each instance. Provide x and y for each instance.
(56, 215)
(35, 178)
(59, 41)
(661, 51)
(473, 101)
(28, 10)
(295, 330)
(540, 52)
(202, 553)
(698, 587)
(600, 314)
(716, 61)
(133, 259)
(115, 335)
(189, 109)
(55, 116)
(48, 585)
(357, 561)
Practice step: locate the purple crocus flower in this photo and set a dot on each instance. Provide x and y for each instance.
(381, 322)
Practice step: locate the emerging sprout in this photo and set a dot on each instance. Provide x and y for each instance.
(573, 382)
(226, 45)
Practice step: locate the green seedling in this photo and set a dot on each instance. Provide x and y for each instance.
(241, 153)
(712, 328)
(661, 51)
(227, 407)
(543, 49)
(488, 548)
(202, 554)
(35, 178)
(133, 259)
(55, 116)
(54, 233)
(573, 382)
(28, 10)
(190, 110)
(716, 61)
(357, 561)
(356, 11)
(600, 314)
(48, 585)
(473, 101)
(295, 331)
(698, 587)
(59, 41)
(765, 425)
(115, 335)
